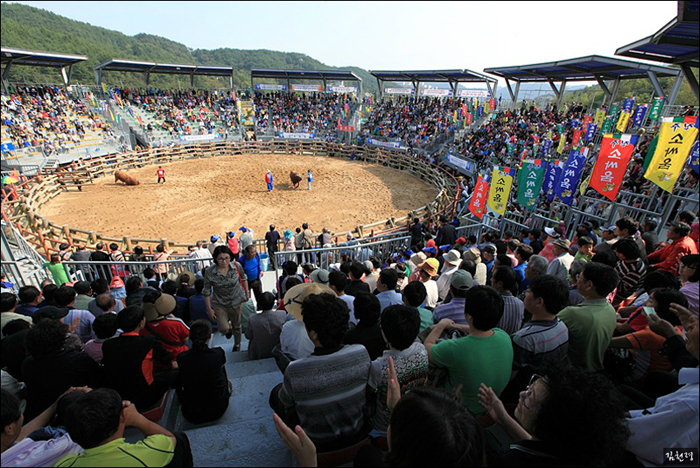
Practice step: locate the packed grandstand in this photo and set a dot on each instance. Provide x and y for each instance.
(542, 311)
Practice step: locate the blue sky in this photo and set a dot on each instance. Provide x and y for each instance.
(389, 35)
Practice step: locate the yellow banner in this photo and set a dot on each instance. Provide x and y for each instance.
(622, 121)
(501, 183)
(104, 88)
(562, 143)
(487, 107)
(599, 117)
(676, 138)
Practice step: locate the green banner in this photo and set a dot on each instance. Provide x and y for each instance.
(656, 107)
(614, 110)
(607, 124)
(650, 152)
(530, 179)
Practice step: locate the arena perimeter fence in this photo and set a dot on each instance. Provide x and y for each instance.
(23, 200)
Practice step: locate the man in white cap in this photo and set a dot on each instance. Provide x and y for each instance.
(460, 282)
(552, 235)
(371, 275)
(452, 260)
(560, 265)
(609, 238)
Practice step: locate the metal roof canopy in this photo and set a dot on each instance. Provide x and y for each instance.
(676, 43)
(453, 77)
(590, 68)
(65, 62)
(307, 75)
(162, 68)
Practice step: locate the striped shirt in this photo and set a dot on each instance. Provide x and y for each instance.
(539, 341)
(328, 391)
(513, 312)
(631, 278)
(453, 310)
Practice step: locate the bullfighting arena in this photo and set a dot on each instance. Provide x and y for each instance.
(209, 196)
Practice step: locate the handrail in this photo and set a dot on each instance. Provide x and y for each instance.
(23, 210)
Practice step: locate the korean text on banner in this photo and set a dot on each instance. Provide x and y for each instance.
(551, 177)
(501, 183)
(562, 143)
(656, 106)
(609, 171)
(676, 138)
(623, 121)
(576, 137)
(639, 114)
(599, 117)
(478, 201)
(530, 179)
(570, 176)
(590, 131)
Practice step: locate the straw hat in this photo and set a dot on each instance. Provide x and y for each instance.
(295, 296)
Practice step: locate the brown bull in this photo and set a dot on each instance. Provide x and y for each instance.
(121, 176)
(296, 178)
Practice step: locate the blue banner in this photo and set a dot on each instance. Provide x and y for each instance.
(590, 133)
(570, 176)
(628, 105)
(551, 177)
(7, 147)
(639, 114)
(546, 147)
(694, 158)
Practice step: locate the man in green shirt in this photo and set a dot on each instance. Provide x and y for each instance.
(97, 421)
(591, 323)
(484, 356)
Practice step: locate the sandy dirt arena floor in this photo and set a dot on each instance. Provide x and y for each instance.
(216, 195)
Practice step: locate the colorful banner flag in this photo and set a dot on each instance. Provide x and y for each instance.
(469, 118)
(614, 110)
(551, 177)
(590, 131)
(622, 122)
(676, 138)
(607, 124)
(570, 176)
(694, 159)
(628, 105)
(562, 144)
(478, 201)
(656, 107)
(639, 114)
(650, 152)
(584, 185)
(501, 183)
(599, 117)
(546, 147)
(576, 137)
(530, 179)
(611, 166)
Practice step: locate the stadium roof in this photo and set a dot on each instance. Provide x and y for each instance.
(305, 74)
(433, 76)
(161, 68)
(675, 43)
(454, 77)
(678, 43)
(590, 68)
(11, 57)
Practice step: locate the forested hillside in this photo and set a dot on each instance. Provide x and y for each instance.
(32, 28)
